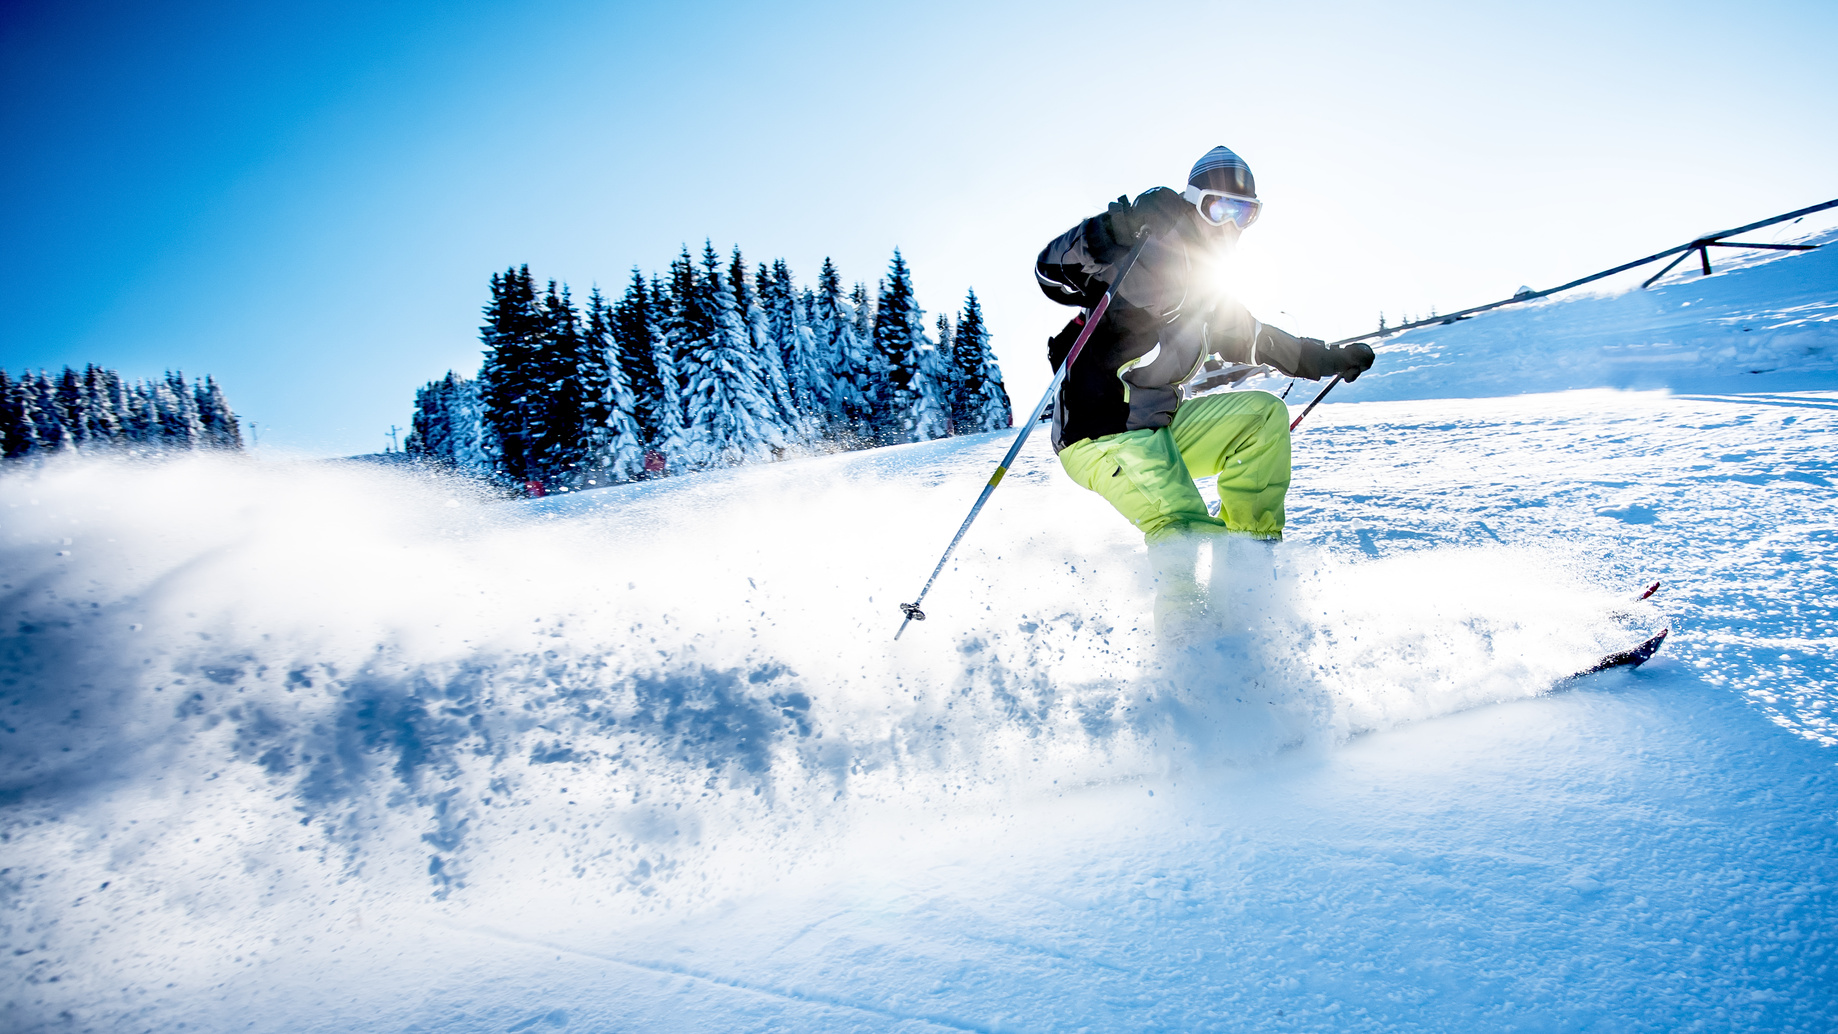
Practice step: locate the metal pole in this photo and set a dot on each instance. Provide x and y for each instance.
(911, 610)
(1683, 252)
(1316, 402)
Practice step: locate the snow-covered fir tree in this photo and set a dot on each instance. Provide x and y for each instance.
(107, 402)
(844, 354)
(714, 364)
(951, 382)
(221, 428)
(558, 406)
(510, 380)
(613, 447)
(874, 373)
(18, 416)
(752, 314)
(730, 411)
(981, 402)
(635, 342)
(177, 412)
(683, 322)
(448, 428)
(72, 404)
(930, 413)
(908, 401)
(789, 336)
(96, 409)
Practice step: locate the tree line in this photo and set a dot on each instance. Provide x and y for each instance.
(97, 409)
(712, 365)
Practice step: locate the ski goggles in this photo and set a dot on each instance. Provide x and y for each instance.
(1218, 207)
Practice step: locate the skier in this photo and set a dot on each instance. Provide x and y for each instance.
(1122, 424)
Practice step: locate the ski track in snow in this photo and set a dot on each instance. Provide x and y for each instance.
(311, 747)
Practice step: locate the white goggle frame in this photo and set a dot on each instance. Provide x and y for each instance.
(1197, 198)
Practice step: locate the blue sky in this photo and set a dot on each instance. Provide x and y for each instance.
(307, 202)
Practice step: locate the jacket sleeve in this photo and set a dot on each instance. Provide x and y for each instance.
(1235, 336)
(1074, 268)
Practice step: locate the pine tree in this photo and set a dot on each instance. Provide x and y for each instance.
(673, 431)
(510, 376)
(789, 321)
(176, 413)
(18, 424)
(219, 427)
(448, 428)
(613, 442)
(899, 335)
(558, 402)
(930, 413)
(635, 345)
(968, 347)
(728, 405)
(49, 431)
(952, 382)
(841, 353)
(758, 329)
(72, 407)
(874, 376)
(683, 322)
(106, 402)
(981, 403)
(429, 428)
(474, 447)
(140, 422)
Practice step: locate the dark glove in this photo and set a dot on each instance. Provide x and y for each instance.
(1349, 361)
(1158, 209)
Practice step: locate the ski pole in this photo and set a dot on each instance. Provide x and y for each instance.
(1316, 402)
(911, 610)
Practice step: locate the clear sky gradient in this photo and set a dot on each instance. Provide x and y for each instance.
(306, 201)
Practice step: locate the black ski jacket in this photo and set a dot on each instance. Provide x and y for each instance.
(1165, 328)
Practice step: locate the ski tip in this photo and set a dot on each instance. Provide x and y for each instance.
(1633, 658)
(1645, 651)
(1651, 589)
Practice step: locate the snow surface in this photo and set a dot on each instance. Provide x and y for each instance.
(1763, 321)
(318, 747)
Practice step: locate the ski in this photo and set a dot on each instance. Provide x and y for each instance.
(1633, 658)
(1627, 615)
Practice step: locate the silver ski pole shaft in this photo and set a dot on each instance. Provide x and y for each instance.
(911, 610)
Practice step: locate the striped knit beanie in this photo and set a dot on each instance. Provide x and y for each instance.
(1220, 169)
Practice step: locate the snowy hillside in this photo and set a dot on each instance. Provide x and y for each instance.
(1764, 321)
(325, 748)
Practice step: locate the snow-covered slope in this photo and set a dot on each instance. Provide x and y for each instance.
(1763, 321)
(320, 748)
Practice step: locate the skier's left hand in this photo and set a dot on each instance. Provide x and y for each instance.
(1349, 361)
(1158, 210)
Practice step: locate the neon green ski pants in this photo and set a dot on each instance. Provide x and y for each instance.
(1241, 436)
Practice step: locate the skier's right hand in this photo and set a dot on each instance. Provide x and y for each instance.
(1158, 210)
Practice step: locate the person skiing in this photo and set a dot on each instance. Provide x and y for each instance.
(1123, 425)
